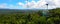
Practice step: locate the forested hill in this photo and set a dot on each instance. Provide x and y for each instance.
(54, 12)
(6, 11)
(24, 16)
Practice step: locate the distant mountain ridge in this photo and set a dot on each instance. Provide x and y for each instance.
(17, 10)
(4, 11)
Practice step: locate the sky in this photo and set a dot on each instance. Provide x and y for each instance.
(29, 4)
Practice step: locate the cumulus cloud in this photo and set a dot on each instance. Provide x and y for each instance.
(33, 4)
(13, 7)
(6, 6)
(41, 4)
(53, 3)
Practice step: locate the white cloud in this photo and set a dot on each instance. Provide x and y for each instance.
(21, 4)
(12, 7)
(6, 6)
(41, 4)
(33, 4)
(53, 3)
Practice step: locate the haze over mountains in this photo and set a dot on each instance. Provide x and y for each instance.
(6, 11)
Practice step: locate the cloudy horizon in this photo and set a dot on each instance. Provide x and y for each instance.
(29, 4)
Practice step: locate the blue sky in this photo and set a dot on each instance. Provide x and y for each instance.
(30, 4)
(11, 1)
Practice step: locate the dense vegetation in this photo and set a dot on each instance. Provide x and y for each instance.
(53, 17)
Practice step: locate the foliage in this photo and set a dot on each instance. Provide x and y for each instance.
(31, 18)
